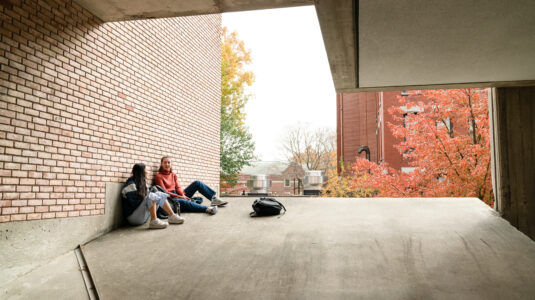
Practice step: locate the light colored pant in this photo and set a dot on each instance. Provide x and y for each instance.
(142, 212)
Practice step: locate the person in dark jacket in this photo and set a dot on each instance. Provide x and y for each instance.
(140, 204)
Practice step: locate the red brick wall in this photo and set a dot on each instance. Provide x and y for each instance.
(362, 120)
(277, 183)
(82, 101)
(357, 125)
(390, 154)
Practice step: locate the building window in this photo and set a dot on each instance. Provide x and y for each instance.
(407, 169)
(408, 119)
(407, 122)
(286, 182)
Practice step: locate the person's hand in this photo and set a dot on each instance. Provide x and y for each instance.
(185, 197)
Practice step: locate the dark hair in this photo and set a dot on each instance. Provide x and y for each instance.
(161, 161)
(139, 179)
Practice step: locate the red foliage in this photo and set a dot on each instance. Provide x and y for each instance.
(448, 160)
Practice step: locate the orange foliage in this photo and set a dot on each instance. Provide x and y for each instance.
(448, 160)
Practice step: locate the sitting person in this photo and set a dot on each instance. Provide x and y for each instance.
(139, 203)
(169, 181)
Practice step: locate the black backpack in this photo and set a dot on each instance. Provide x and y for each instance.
(266, 207)
(175, 206)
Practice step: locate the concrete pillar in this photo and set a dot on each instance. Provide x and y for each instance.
(512, 116)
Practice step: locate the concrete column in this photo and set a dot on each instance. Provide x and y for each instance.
(512, 117)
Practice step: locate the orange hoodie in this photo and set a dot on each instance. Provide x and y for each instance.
(169, 181)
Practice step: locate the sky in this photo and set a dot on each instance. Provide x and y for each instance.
(293, 79)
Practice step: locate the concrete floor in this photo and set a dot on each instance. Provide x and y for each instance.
(59, 279)
(455, 248)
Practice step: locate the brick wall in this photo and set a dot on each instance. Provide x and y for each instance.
(363, 120)
(82, 101)
(357, 125)
(388, 153)
(277, 183)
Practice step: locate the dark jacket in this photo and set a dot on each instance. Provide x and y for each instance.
(131, 199)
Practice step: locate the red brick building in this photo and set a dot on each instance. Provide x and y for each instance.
(286, 179)
(362, 120)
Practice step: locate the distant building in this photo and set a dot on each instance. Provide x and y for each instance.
(286, 178)
(362, 121)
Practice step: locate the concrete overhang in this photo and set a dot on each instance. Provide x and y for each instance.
(120, 10)
(392, 44)
(416, 44)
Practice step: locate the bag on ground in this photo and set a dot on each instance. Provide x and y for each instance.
(267, 207)
(175, 206)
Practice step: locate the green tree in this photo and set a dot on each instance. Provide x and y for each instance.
(237, 146)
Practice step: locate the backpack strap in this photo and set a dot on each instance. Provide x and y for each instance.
(281, 205)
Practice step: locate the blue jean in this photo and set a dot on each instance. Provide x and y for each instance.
(190, 206)
(142, 212)
(199, 186)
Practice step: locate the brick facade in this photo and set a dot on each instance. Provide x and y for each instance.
(83, 100)
(362, 120)
(293, 172)
(387, 152)
(357, 125)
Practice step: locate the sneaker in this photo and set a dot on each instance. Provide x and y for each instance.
(176, 219)
(218, 202)
(212, 210)
(157, 224)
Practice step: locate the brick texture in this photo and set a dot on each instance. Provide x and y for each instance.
(278, 187)
(363, 120)
(357, 126)
(82, 101)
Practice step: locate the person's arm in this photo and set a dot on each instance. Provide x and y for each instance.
(159, 181)
(178, 189)
(173, 195)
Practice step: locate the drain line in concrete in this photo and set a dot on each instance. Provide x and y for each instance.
(86, 274)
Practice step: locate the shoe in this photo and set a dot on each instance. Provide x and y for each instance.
(218, 202)
(176, 219)
(212, 210)
(157, 224)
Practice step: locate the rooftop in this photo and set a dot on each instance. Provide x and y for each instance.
(264, 167)
(372, 248)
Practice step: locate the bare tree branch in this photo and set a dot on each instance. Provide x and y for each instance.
(310, 147)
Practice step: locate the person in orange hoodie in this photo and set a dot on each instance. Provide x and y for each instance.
(168, 180)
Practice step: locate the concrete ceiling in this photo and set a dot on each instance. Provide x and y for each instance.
(392, 44)
(435, 43)
(119, 10)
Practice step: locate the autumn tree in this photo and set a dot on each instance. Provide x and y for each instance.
(341, 184)
(237, 146)
(313, 148)
(446, 141)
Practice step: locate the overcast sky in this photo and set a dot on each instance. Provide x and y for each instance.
(293, 80)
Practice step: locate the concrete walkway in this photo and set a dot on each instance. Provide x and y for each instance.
(454, 248)
(59, 279)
